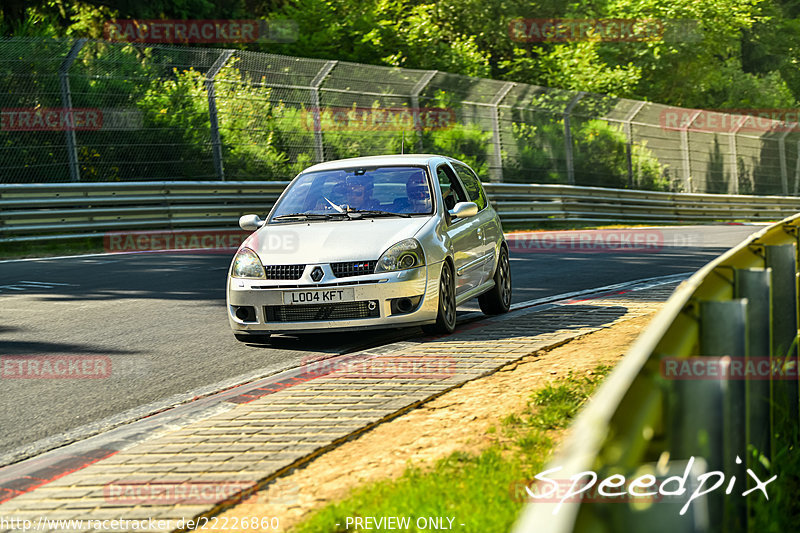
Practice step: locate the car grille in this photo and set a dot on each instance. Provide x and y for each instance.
(284, 271)
(316, 312)
(353, 268)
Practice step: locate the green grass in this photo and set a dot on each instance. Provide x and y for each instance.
(55, 247)
(782, 511)
(474, 489)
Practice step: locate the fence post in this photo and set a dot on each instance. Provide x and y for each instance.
(797, 171)
(66, 104)
(319, 151)
(421, 84)
(734, 157)
(568, 137)
(626, 125)
(782, 154)
(687, 165)
(216, 143)
(496, 170)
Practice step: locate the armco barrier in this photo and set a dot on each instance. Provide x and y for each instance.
(741, 308)
(30, 212)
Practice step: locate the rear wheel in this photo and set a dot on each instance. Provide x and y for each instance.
(262, 338)
(498, 300)
(446, 318)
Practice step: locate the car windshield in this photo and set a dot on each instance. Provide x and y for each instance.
(385, 191)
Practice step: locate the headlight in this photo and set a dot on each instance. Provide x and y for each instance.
(402, 256)
(246, 264)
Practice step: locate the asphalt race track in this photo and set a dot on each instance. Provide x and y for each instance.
(159, 320)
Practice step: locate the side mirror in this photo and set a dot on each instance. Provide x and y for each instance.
(250, 222)
(464, 210)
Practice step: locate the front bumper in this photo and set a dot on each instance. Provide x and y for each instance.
(379, 288)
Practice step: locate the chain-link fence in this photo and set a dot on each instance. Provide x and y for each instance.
(82, 110)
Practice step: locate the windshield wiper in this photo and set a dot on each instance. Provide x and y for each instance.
(375, 213)
(308, 216)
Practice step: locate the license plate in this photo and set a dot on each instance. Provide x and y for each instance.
(318, 296)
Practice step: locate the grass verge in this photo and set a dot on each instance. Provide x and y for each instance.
(474, 489)
(54, 247)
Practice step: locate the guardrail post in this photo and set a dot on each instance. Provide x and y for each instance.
(319, 148)
(421, 84)
(756, 286)
(216, 142)
(568, 137)
(496, 170)
(781, 259)
(66, 104)
(723, 333)
(626, 125)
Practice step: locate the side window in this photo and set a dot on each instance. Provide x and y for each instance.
(472, 184)
(452, 193)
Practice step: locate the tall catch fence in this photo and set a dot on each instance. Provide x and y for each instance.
(88, 111)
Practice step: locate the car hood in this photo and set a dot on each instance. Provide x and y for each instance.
(331, 241)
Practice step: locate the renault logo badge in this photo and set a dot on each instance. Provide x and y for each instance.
(317, 274)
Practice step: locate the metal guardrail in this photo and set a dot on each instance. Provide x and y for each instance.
(744, 304)
(30, 212)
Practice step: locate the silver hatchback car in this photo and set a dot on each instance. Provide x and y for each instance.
(370, 242)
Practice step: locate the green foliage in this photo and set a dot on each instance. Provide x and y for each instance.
(599, 156)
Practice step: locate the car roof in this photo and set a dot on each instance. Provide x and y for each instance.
(378, 160)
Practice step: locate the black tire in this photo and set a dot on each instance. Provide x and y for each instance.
(446, 317)
(262, 338)
(498, 300)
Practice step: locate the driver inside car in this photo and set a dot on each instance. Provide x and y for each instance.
(418, 198)
(359, 193)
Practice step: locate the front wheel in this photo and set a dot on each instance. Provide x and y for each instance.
(498, 300)
(446, 317)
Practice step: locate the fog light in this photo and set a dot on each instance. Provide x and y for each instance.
(245, 313)
(403, 306)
